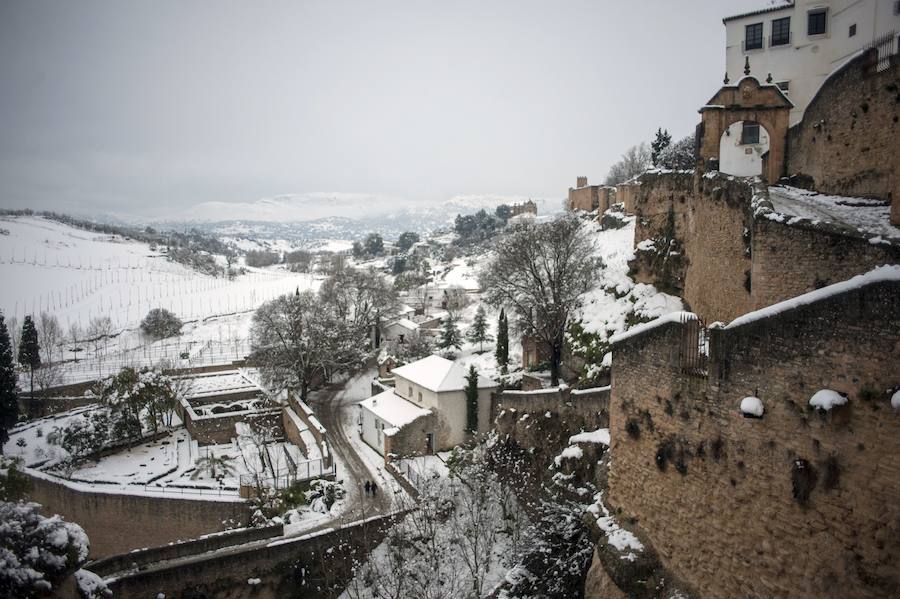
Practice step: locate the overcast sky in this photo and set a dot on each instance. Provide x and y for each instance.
(148, 108)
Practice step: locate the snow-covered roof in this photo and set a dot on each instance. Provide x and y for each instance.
(438, 374)
(405, 323)
(393, 409)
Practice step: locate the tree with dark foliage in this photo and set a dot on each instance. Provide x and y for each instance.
(30, 349)
(502, 350)
(9, 404)
(662, 141)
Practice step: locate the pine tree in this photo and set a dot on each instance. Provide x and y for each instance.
(450, 335)
(30, 349)
(502, 350)
(479, 331)
(472, 400)
(659, 144)
(9, 404)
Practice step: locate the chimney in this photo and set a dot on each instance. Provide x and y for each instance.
(581, 182)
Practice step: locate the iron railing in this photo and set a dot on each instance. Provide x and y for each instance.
(886, 46)
(694, 350)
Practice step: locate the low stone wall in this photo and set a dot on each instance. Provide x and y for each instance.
(219, 429)
(316, 565)
(142, 557)
(117, 523)
(409, 440)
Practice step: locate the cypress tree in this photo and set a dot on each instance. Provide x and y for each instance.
(479, 331)
(502, 350)
(30, 349)
(450, 335)
(9, 404)
(472, 400)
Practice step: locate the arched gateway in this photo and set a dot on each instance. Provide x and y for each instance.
(764, 106)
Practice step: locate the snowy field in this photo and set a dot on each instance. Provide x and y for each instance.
(78, 275)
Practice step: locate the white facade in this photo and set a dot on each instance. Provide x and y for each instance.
(432, 385)
(737, 157)
(800, 60)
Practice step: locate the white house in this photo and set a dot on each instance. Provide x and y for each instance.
(398, 330)
(801, 43)
(426, 411)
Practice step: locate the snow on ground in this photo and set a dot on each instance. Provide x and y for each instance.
(607, 307)
(138, 465)
(869, 217)
(29, 441)
(78, 275)
(601, 435)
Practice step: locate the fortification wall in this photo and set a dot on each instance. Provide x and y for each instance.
(847, 140)
(789, 260)
(117, 523)
(725, 499)
(699, 227)
(583, 198)
(218, 429)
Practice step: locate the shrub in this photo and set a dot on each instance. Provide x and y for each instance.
(261, 258)
(160, 323)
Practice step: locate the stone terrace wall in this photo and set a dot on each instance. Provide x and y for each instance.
(583, 198)
(716, 492)
(792, 260)
(218, 429)
(409, 440)
(702, 225)
(117, 523)
(847, 140)
(298, 567)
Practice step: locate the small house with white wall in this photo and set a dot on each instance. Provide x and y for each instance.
(426, 411)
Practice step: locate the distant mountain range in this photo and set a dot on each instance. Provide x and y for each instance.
(309, 218)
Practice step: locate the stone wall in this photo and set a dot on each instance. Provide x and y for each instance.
(313, 565)
(409, 440)
(695, 233)
(218, 429)
(142, 557)
(700, 228)
(789, 260)
(117, 523)
(847, 140)
(730, 503)
(625, 195)
(583, 198)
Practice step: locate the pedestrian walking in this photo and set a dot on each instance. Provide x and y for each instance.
(368, 488)
(374, 488)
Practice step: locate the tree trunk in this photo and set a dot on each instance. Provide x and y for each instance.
(555, 360)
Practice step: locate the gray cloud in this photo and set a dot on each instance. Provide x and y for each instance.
(150, 108)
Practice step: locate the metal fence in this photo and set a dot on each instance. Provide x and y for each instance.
(887, 46)
(694, 350)
(301, 471)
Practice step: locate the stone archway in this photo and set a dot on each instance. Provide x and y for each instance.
(748, 100)
(742, 148)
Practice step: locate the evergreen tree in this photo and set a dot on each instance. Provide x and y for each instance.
(502, 350)
(659, 144)
(472, 400)
(450, 335)
(479, 331)
(9, 405)
(30, 349)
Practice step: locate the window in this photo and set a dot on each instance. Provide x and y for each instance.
(410, 391)
(750, 133)
(817, 23)
(852, 31)
(753, 38)
(784, 86)
(420, 397)
(781, 31)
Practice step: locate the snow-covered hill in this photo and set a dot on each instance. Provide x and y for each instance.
(309, 219)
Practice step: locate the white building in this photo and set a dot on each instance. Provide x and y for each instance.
(433, 386)
(801, 43)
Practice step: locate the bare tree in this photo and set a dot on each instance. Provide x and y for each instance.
(541, 271)
(99, 330)
(48, 376)
(634, 161)
(50, 334)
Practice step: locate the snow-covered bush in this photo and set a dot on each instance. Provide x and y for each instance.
(679, 156)
(13, 484)
(159, 323)
(83, 436)
(37, 553)
(322, 494)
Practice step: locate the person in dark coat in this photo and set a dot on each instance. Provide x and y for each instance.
(368, 488)
(374, 488)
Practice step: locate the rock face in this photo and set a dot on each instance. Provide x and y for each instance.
(598, 584)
